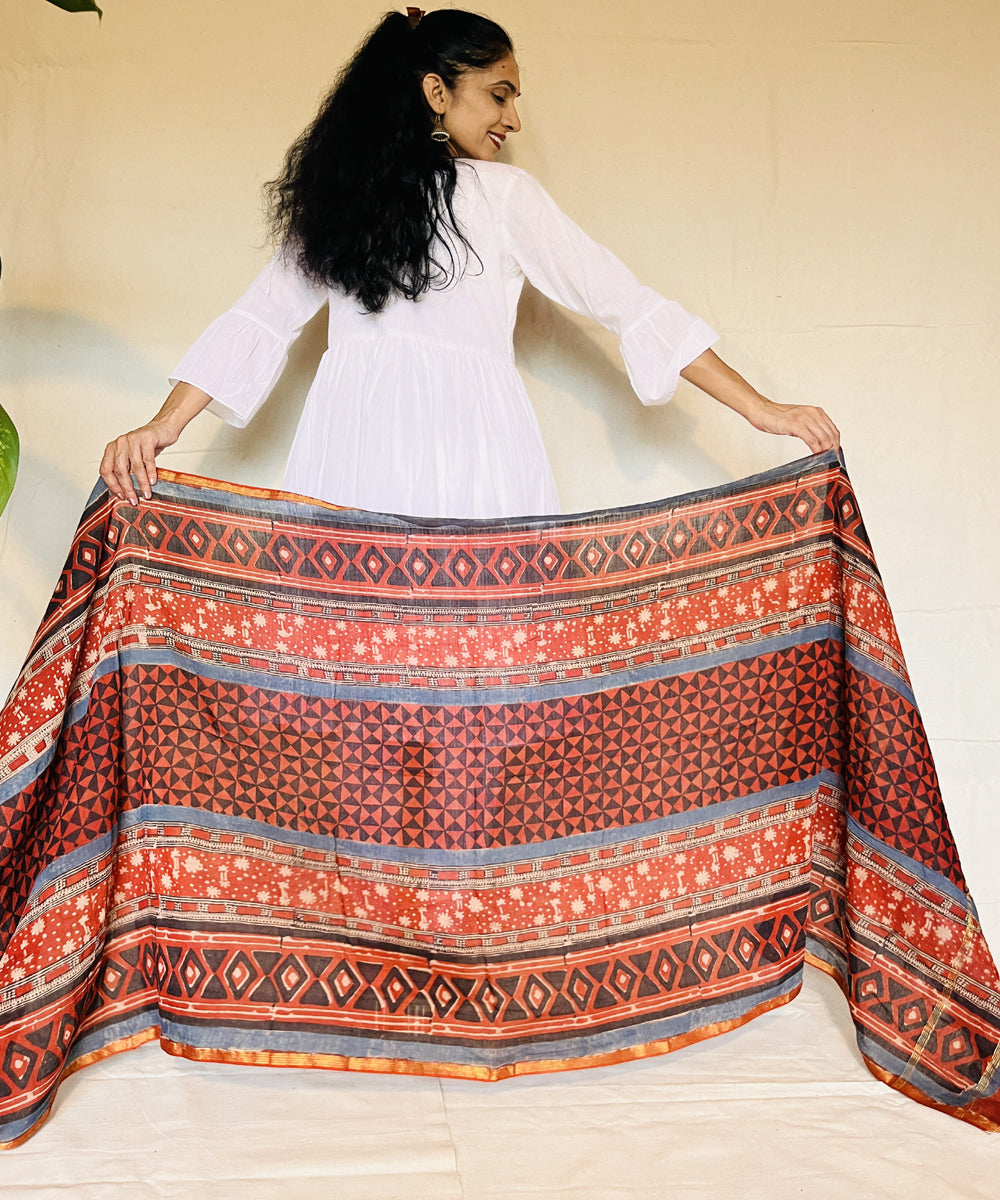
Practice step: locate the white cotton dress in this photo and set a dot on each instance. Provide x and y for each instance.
(419, 409)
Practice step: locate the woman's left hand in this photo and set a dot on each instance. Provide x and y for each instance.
(720, 381)
(803, 421)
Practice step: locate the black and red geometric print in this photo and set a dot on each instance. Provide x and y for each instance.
(480, 776)
(341, 988)
(597, 549)
(327, 550)
(891, 779)
(342, 677)
(69, 805)
(372, 995)
(896, 1012)
(476, 777)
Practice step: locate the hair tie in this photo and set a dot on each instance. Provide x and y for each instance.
(413, 16)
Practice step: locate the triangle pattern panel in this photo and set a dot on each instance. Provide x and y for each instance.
(472, 776)
(893, 783)
(464, 778)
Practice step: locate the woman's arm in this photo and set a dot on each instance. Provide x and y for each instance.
(658, 337)
(722, 383)
(135, 453)
(233, 366)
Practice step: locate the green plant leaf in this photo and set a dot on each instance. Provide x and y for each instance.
(78, 6)
(10, 447)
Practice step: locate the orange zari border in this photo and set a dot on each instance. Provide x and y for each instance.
(394, 1066)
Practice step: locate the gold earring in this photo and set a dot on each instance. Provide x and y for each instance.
(439, 133)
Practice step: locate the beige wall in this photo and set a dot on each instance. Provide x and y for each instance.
(819, 180)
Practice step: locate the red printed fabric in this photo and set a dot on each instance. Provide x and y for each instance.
(292, 785)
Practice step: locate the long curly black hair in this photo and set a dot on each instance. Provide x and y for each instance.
(365, 195)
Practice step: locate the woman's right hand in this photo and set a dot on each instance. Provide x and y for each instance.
(135, 454)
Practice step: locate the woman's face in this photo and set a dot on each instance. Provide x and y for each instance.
(479, 112)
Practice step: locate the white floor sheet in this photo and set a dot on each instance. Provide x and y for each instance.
(781, 1108)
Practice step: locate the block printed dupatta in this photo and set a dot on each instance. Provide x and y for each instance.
(292, 785)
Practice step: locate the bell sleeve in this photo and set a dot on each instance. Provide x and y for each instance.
(658, 337)
(239, 357)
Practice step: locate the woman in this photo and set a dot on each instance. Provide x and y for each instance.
(392, 209)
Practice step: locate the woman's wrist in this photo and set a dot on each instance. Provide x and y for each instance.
(758, 409)
(718, 379)
(166, 427)
(181, 406)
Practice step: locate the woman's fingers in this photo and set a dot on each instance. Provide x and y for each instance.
(138, 469)
(115, 473)
(812, 425)
(107, 470)
(808, 428)
(823, 434)
(131, 454)
(123, 475)
(142, 452)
